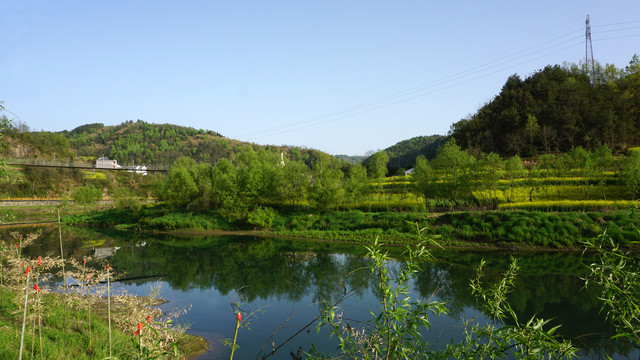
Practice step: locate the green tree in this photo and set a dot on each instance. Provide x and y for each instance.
(377, 165)
(224, 195)
(490, 171)
(326, 189)
(356, 185)
(87, 195)
(179, 188)
(514, 169)
(580, 162)
(292, 183)
(456, 170)
(603, 159)
(203, 178)
(426, 179)
(630, 173)
(532, 129)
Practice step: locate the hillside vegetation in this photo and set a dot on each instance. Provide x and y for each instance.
(131, 143)
(556, 109)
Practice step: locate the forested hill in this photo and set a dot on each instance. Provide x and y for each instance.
(143, 142)
(403, 154)
(555, 109)
(136, 142)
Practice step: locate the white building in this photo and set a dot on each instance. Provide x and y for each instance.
(104, 163)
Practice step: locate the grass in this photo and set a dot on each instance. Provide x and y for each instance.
(503, 228)
(62, 336)
(73, 323)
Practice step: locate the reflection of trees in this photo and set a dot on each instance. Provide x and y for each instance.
(258, 265)
(548, 286)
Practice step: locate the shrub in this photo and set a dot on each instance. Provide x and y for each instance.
(125, 199)
(262, 217)
(86, 195)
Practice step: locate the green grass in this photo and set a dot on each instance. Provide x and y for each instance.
(63, 337)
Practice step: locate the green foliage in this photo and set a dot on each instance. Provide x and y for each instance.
(262, 217)
(403, 154)
(125, 199)
(86, 195)
(61, 339)
(185, 221)
(556, 109)
(179, 187)
(377, 164)
(393, 331)
(527, 340)
(630, 174)
(617, 278)
(326, 190)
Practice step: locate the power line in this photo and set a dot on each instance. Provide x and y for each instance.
(381, 106)
(377, 101)
(457, 79)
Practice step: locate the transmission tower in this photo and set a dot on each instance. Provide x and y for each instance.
(589, 62)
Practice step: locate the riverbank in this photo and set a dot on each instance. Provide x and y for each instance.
(69, 330)
(493, 229)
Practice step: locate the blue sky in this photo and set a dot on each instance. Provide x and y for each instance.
(344, 76)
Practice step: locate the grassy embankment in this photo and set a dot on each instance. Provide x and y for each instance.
(475, 229)
(81, 321)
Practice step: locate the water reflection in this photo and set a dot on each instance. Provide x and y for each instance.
(288, 275)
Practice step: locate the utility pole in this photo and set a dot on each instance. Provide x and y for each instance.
(589, 62)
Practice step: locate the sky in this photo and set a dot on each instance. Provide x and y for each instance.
(344, 77)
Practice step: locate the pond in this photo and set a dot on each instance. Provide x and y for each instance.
(282, 282)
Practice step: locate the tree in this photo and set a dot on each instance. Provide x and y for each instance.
(532, 129)
(580, 161)
(377, 165)
(356, 184)
(326, 186)
(292, 182)
(426, 179)
(630, 173)
(602, 160)
(514, 169)
(224, 194)
(203, 179)
(455, 167)
(490, 171)
(549, 137)
(179, 187)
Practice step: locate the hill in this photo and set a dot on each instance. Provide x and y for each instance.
(136, 142)
(351, 159)
(403, 154)
(556, 109)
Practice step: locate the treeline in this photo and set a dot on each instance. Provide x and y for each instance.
(254, 180)
(556, 109)
(454, 177)
(402, 156)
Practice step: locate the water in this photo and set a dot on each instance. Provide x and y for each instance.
(282, 282)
